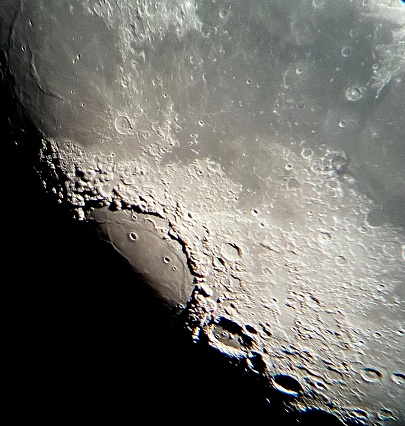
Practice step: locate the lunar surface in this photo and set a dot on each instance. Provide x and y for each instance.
(242, 166)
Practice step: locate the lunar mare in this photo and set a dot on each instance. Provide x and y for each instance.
(141, 242)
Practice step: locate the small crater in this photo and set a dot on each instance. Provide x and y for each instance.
(231, 251)
(267, 331)
(144, 135)
(257, 363)
(341, 261)
(122, 125)
(80, 173)
(386, 414)
(376, 217)
(398, 378)
(133, 236)
(287, 385)
(317, 3)
(361, 414)
(346, 52)
(371, 375)
(320, 386)
(306, 153)
(354, 93)
(250, 329)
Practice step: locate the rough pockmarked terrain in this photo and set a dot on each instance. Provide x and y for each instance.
(247, 159)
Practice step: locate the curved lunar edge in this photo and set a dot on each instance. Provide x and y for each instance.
(246, 159)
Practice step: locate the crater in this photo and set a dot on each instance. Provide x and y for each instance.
(231, 251)
(122, 125)
(257, 363)
(231, 334)
(287, 384)
(371, 375)
(398, 378)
